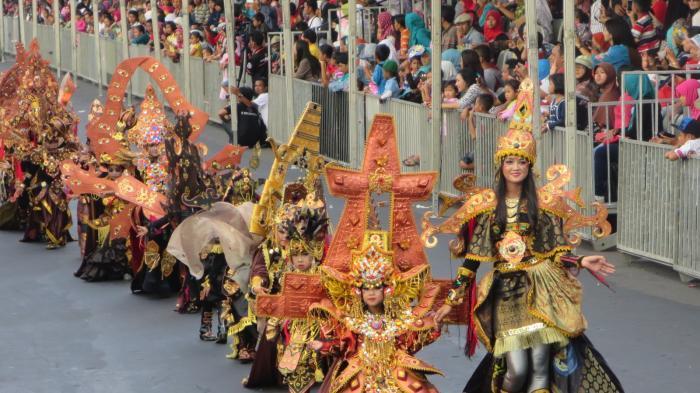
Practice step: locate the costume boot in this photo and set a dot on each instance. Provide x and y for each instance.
(205, 330)
(221, 330)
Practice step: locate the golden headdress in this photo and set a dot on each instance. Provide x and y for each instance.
(152, 126)
(307, 227)
(518, 140)
(372, 267)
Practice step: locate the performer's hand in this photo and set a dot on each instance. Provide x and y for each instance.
(257, 289)
(598, 264)
(204, 293)
(442, 312)
(315, 345)
(141, 231)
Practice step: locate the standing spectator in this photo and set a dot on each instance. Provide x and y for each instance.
(251, 127)
(449, 30)
(139, 35)
(270, 14)
(381, 54)
(404, 36)
(340, 81)
(643, 29)
(689, 140)
(259, 23)
(196, 38)
(492, 75)
(200, 12)
(261, 99)
(311, 13)
(385, 26)
(391, 86)
(468, 36)
(327, 59)
(307, 67)
(555, 118)
(257, 63)
(606, 79)
(419, 34)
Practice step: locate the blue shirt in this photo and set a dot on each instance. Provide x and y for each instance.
(339, 84)
(393, 86)
(378, 77)
(617, 55)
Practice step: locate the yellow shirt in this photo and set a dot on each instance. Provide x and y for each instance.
(315, 52)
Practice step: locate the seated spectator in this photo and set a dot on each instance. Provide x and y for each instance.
(306, 66)
(326, 58)
(623, 50)
(688, 141)
(310, 37)
(399, 24)
(258, 23)
(468, 37)
(419, 34)
(585, 86)
(139, 35)
(686, 95)
(385, 35)
(391, 86)
(555, 117)
(643, 30)
(340, 81)
(448, 38)
(510, 93)
(411, 91)
(494, 29)
(208, 53)
(492, 76)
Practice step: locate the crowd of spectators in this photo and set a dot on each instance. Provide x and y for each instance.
(484, 57)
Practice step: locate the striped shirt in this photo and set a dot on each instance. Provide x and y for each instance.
(645, 34)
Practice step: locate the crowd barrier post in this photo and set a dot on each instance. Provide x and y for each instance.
(35, 18)
(352, 88)
(98, 47)
(436, 97)
(125, 45)
(687, 261)
(156, 32)
(22, 37)
(57, 38)
(532, 53)
(231, 63)
(186, 53)
(288, 48)
(488, 129)
(570, 83)
(74, 40)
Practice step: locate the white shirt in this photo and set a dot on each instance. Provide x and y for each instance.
(261, 102)
(391, 43)
(690, 149)
(596, 25)
(315, 23)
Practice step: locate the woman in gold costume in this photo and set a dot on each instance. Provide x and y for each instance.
(527, 310)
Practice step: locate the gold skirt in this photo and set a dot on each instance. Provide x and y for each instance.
(540, 304)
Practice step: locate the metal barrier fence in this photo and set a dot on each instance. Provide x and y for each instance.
(648, 204)
(687, 260)
(488, 129)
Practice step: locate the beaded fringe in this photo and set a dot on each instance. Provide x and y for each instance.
(516, 342)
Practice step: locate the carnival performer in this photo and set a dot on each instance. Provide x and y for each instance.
(111, 257)
(372, 326)
(299, 365)
(527, 310)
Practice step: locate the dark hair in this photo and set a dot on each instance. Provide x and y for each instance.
(643, 5)
(340, 57)
(259, 17)
(301, 26)
(400, 19)
(513, 83)
(558, 81)
(140, 28)
(484, 52)
(469, 75)
(448, 14)
(486, 100)
(302, 52)
(327, 50)
(257, 37)
(620, 32)
(197, 34)
(312, 4)
(134, 13)
(382, 52)
(471, 59)
(262, 79)
(528, 193)
(108, 16)
(582, 16)
(172, 25)
(310, 35)
(451, 84)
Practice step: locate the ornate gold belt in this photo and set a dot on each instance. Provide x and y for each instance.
(505, 267)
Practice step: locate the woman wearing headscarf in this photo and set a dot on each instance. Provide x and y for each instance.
(605, 77)
(687, 95)
(585, 87)
(494, 27)
(419, 34)
(386, 35)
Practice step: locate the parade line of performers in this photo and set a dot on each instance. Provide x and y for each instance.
(304, 306)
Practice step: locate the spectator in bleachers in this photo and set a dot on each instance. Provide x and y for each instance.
(327, 59)
(606, 79)
(555, 115)
(199, 12)
(468, 36)
(340, 81)
(310, 37)
(419, 34)
(196, 38)
(494, 28)
(686, 95)
(585, 86)
(385, 26)
(688, 145)
(307, 67)
(404, 36)
(391, 88)
(507, 98)
(259, 23)
(492, 75)
(138, 32)
(643, 30)
(257, 60)
(270, 14)
(381, 55)
(449, 30)
(311, 14)
(623, 50)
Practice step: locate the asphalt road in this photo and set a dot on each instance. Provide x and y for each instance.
(59, 334)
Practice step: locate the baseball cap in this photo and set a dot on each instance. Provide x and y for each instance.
(687, 125)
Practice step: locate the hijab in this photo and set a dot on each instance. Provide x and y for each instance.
(384, 21)
(491, 33)
(689, 90)
(609, 92)
(638, 86)
(419, 34)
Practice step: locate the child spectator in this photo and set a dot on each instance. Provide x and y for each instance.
(341, 81)
(259, 23)
(556, 102)
(449, 93)
(139, 34)
(196, 38)
(689, 140)
(326, 58)
(405, 35)
(310, 37)
(391, 86)
(643, 29)
(381, 54)
(510, 93)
